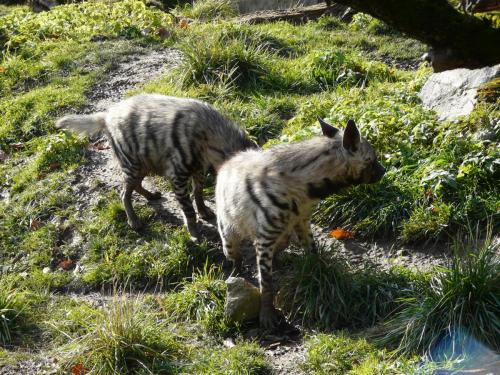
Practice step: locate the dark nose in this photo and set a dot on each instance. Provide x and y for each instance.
(378, 172)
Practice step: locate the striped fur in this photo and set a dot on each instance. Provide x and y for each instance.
(267, 195)
(180, 139)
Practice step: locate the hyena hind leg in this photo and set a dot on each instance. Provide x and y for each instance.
(269, 317)
(305, 236)
(150, 196)
(129, 186)
(181, 190)
(204, 212)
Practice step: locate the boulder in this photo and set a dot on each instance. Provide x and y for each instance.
(453, 93)
(242, 300)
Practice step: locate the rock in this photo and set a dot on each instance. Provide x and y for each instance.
(453, 93)
(242, 300)
(46, 270)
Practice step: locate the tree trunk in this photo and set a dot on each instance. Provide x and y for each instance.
(457, 40)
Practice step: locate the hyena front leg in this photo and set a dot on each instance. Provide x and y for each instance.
(129, 185)
(306, 238)
(231, 243)
(150, 196)
(269, 316)
(181, 190)
(204, 212)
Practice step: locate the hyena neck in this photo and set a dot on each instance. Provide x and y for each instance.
(222, 143)
(319, 167)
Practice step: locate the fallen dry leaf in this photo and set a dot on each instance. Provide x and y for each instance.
(66, 264)
(183, 24)
(35, 224)
(17, 145)
(54, 166)
(101, 145)
(164, 33)
(341, 234)
(2, 69)
(77, 369)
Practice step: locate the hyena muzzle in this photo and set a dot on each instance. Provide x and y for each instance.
(181, 139)
(268, 194)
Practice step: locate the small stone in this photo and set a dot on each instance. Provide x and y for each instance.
(46, 270)
(242, 300)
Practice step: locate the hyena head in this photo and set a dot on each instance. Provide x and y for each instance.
(362, 166)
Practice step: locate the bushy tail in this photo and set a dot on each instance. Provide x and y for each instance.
(83, 124)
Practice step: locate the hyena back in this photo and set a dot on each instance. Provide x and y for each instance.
(178, 138)
(266, 195)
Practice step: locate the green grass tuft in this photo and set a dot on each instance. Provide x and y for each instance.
(200, 300)
(341, 354)
(124, 337)
(461, 303)
(339, 296)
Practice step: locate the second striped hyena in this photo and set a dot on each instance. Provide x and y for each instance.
(178, 138)
(266, 195)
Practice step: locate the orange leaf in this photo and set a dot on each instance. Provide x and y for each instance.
(77, 369)
(2, 69)
(341, 234)
(183, 24)
(66, 264)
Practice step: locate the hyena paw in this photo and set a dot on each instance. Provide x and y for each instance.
(194, 233)
(271, 319)
(135, 224)
(206, 214)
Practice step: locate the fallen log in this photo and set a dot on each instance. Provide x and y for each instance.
(298, 15)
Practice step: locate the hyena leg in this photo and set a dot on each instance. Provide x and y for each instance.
(181, 190)
(204, 212)
(150, 196)
(304, 233)
(128, 187)
(269, 317)
(231, 247)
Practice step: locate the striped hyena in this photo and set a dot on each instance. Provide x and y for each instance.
(267, 194)
(178, 138)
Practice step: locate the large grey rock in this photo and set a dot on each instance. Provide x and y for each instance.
(242, 300)
(453, 93)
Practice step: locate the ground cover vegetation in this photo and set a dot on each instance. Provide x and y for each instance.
(162, 299)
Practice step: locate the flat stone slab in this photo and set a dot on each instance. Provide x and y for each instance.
(453, 93)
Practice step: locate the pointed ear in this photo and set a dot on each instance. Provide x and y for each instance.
(351, 137)
(328, 130)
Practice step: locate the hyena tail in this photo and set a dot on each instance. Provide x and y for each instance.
(83, 124)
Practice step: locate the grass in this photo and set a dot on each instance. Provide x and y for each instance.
(200, 300)
(123, 337)
(460, 305)
(342, 354)
(340, 296)
(243, 358)
(207, 10)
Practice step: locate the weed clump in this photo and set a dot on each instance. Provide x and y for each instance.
(217, 59)
(207, 10)
(124, 337)
(200, 300)
(339, 296)
(341, 354)
(460, 304)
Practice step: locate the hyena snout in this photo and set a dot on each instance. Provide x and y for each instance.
(373, 173)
